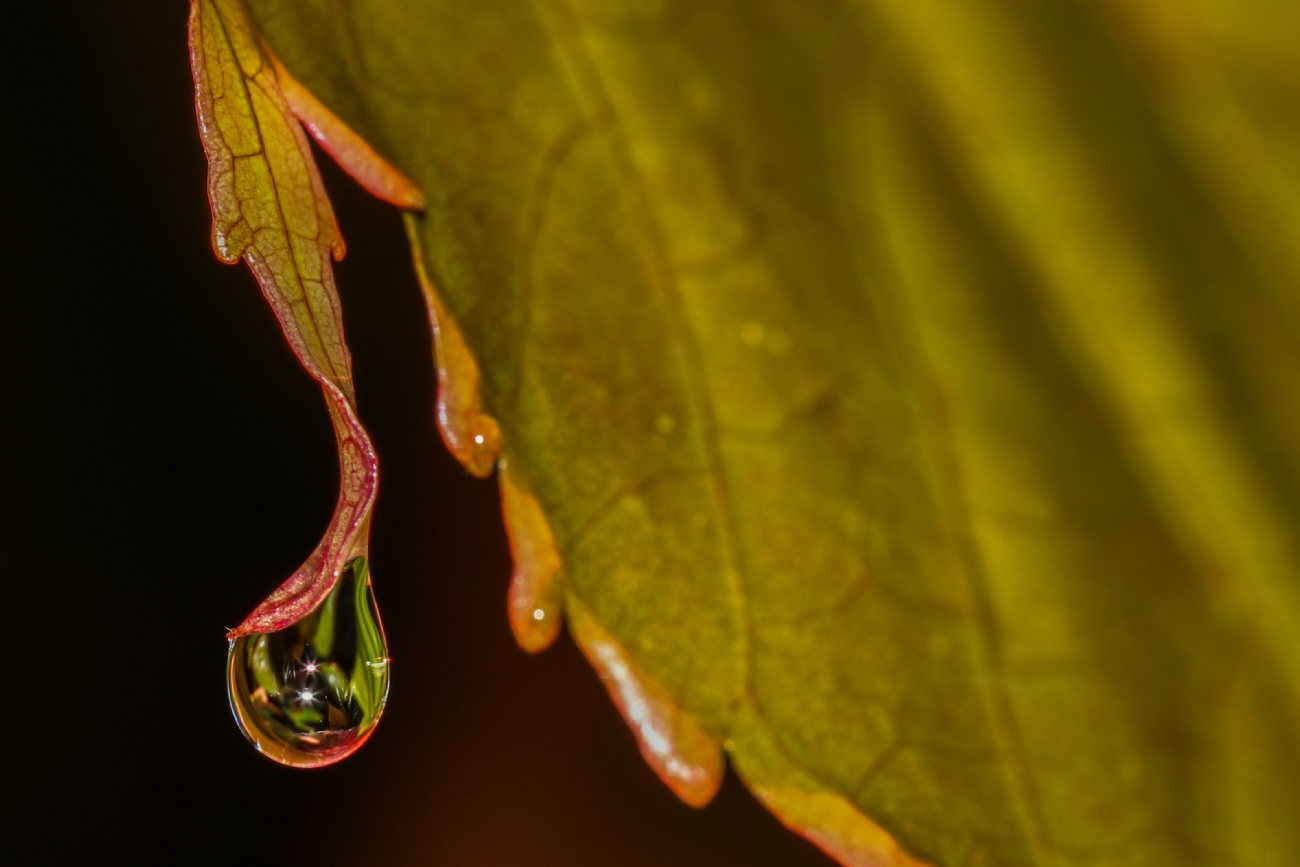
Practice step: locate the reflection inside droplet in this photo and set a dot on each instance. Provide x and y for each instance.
(309, 695)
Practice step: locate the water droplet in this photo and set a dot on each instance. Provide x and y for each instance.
(311, 694)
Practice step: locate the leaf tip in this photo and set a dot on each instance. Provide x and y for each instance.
(290, 602)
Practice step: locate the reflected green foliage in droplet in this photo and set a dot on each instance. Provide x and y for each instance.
(311, 694)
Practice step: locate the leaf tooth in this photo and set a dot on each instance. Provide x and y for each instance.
(685, 757)
(353, 153)
(825, 818)
(473, 436)
(536, 590)
(836, 827)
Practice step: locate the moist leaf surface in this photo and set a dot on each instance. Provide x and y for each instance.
(909, 390)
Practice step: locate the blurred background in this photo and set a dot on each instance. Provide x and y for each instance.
(167, 463)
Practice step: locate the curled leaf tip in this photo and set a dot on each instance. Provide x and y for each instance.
(345, 538)
(269, 208)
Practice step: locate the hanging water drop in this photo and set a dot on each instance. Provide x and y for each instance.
(310, 694)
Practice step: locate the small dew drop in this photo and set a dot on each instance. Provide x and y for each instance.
(478, 438)
(311, 694)
(539, 614)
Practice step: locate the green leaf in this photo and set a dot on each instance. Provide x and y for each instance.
(902, 395)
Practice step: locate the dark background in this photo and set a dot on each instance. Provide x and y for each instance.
(166, 464)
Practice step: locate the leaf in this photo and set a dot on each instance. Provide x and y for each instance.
(900, 395)
(269, 208)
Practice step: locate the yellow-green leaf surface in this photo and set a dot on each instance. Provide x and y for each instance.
(902, 395)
